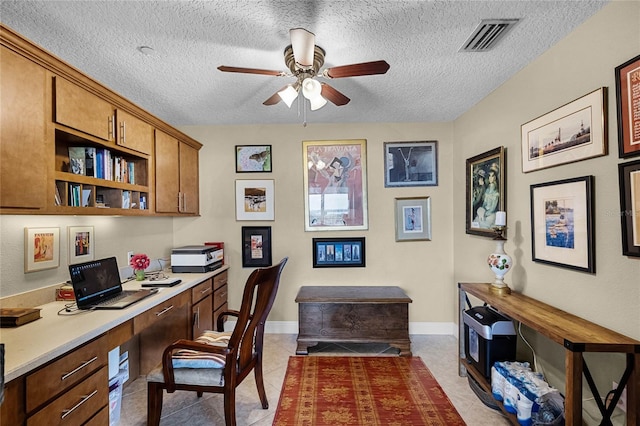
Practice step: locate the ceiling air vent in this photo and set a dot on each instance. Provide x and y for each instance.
(487, 34)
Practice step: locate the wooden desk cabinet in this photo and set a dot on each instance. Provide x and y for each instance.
(202, 308)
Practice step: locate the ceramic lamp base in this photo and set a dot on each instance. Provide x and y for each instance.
(500, 290)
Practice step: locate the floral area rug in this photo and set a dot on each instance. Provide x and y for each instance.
(335, 391)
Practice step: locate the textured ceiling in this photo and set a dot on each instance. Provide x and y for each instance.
(429, 80)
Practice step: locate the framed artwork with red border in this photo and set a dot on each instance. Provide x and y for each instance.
(628, 106)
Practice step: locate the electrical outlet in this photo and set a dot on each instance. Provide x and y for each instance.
(129, 256)
(622, 402)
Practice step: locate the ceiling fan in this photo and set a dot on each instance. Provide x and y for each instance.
(304, 59)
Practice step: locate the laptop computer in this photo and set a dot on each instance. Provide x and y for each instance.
(96, 285)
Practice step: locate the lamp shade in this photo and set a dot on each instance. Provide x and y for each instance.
(317, 102)
(288, 95)
(311, 88)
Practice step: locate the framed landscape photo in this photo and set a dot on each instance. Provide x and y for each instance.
(255, 199)
(629, 174)
(411, 164)
(81, 244)
(41, 249)
(628, 107)
(335, 185)
(253, 158)
(413, 219)
(574, 132)
(338, 252)
(485, 191)
(562, 224)
(256, 246)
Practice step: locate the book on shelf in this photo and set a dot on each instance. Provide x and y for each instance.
(77, 160)
(13, 317)
(126, 199)
(86, 197)
(58, 200)
(90, 161)
(131, 172)
(74, 195)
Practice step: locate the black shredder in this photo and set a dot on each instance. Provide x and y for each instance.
(489, 336)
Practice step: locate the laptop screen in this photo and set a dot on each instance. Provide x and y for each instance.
(95, 280)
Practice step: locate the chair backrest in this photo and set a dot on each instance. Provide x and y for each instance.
(258, 297)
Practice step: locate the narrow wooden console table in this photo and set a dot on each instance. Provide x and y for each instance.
(353, 314)
(577, 335)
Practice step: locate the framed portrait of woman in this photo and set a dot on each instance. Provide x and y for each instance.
(485, 191)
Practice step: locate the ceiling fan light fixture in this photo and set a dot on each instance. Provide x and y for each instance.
(317, 102)
(289, 94)
(311, 88)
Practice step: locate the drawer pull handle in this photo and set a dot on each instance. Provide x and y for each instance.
(164, 311)
(206, 290)
(84, 364)
(84, 399)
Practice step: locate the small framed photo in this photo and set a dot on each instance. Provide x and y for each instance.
(628, 107)
(485, 191)
(41, 249)
(81, 244)
(411, 164)
(629, 174)
(574, 132)
(256, 246)
(562, 224)
(338, 252)
(253, 158)
(255, 199)
(413, 219)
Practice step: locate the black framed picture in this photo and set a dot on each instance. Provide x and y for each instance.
(253, 158)
(338, 252)
(256, 246)
(411, 164)
(485, 191)
(630, 207)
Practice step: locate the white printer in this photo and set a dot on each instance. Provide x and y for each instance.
(196, 259)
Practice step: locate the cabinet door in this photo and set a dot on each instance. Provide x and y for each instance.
(189, 187)
(134, 133)
(167, 173)
(202, 313)
(82, 110)
(23, 154)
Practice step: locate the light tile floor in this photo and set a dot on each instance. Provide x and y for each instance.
(439, 354)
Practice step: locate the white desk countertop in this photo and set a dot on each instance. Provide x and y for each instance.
(34, 344)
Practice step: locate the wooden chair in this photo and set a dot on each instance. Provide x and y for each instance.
(242, 354)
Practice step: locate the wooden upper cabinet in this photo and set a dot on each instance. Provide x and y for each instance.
(189, 174)
(23, 146)
(81, 110)
(133, 133)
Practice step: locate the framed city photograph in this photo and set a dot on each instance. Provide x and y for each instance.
(629, 174)
(338, 252)
(41, 249)
(255, 199)
(256, 246)
(413, 219)
(562, 224)
(335, 185)
(253, 158)
(81, 244)
(574, 132)
(410, 164)
(628, 107)
(485, 191)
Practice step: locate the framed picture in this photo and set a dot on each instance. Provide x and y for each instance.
(411, 164)
(562, 225)
(335, 185)
(41, 249)
(253, 158)
(628, 103)
(256, 246)
(338, 252)
(255, 199)
(574, 132)
(413, 219)
(630, 207)
(485, 190)
(81, 244)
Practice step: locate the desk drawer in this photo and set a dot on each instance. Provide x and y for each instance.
(157, 313)
(64, 373)
(220, 280)
(220, 297)
(78, 404)
(201, 291)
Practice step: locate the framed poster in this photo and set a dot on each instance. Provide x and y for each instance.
(81, 244)
(255, 199)
(253, 158)
(411, 164)
(562, 225)
(629, 174)
(628, 107)
(335, 185)
(413, 219)
(485, 191)
(41, 249)
(574, 132)
(256, 246)
(338, 252)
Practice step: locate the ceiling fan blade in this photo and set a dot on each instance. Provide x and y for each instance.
(275, 98)
(252, 71)
(354, 70)
(331, 94)
(303, 44)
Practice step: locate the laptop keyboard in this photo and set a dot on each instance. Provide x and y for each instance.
(117, 298)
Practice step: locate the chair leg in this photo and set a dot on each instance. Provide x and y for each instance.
(154, 403)
(260, 384)
(230, 407)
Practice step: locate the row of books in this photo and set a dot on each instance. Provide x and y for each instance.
(79, 197)
(99, 163)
